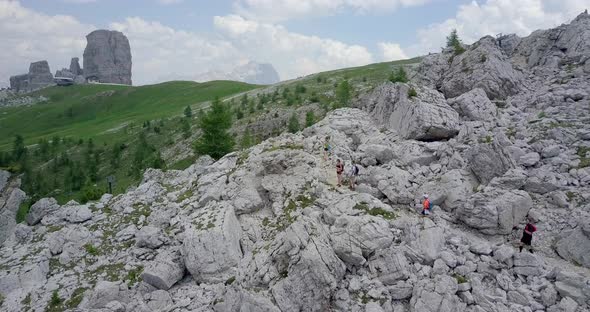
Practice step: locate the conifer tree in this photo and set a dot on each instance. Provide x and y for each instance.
(215, 139)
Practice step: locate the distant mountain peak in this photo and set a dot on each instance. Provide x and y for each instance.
(251, 72)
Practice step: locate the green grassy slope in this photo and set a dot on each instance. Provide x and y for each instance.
(86, 133)
(87, 111)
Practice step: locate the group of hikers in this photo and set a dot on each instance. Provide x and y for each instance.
(527, 235)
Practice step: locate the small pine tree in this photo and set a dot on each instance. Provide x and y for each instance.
(19, 150)
(293, 125)
(309, 119)
(247, 140)
(188, 112)
(186, 129)
(454, 42)
(399, 75)
(215, 139)
(343, 93)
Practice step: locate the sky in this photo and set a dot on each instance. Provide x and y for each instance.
(171, 39)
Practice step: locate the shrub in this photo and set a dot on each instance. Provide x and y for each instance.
(91, 193)
(293, 125)
(309, 119)
(412, 93)
(22, 211)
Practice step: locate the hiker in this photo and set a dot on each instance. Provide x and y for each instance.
(339, 170)
(327, 148)
(527, 236)
(425, 205)
(354, 172)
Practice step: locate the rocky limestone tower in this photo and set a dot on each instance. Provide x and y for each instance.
(39, 76)
(107, 57)
(75, 66)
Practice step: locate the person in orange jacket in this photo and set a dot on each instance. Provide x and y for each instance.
(426, 205)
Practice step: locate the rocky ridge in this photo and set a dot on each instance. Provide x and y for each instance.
(266, 229)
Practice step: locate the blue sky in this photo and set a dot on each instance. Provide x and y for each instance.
(182, 39)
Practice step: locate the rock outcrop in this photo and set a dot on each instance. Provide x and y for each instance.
(425, 116)
(107, 57)
(39, 77)
(267, 228)
(566, 44)
(11, 197)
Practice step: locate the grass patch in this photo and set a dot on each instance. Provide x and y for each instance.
(134, 275)
(570, 196)
(283, 147)
(75, 299)
(460, 278)
(377, 212)
(188, 194)
(412, 93)
(55, 303)
(91, 250)
(23, 211)
(583, 152)
(541, 115)
(183, 163)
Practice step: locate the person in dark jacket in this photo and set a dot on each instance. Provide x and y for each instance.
(527, 236)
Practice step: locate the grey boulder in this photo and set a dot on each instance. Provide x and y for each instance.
(426, 116)
(40, 209)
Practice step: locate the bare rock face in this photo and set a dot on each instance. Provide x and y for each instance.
(484, 66)
(19, 82)
(39, 76)
(10, 199)
(550, 48)
(107, 57)
(425, 116)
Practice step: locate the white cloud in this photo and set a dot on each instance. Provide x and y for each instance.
(281, 10)
(25, 39)
(167, 2)
(391, 51)
(78, 1)
(291, 53)
(160, 52)
(475, 20)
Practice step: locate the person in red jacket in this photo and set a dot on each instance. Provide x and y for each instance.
(527, 236)
(426, 205)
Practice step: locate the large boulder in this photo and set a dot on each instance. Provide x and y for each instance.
(425, 117)
(474, 105)
(212, 250)
(104, 293)
(495, 211)
(40, 209)
(489, 160)
(167, 269)
(10, 200)
(303, 255)
(574, 245)
(107, 57)
(485, 66)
